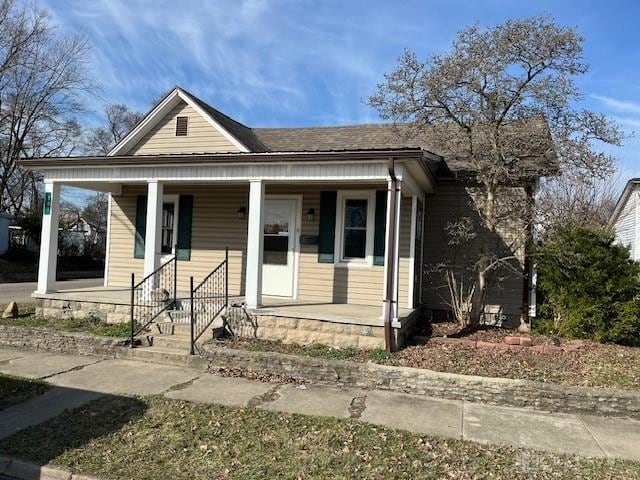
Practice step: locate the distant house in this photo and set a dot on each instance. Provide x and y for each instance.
(328, 229)
(5, 220)
(79, 237)
(625, 219)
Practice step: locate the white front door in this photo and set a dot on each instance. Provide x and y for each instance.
(278, 260)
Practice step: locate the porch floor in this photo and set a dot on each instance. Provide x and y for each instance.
(285, 307)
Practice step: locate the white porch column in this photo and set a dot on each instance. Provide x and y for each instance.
(153, 232)
(253, 281)
(49, 238)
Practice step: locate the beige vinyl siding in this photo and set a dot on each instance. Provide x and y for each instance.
(121, 241)
(215, 225)
(202, 137)
(451, 202)
(405, 252)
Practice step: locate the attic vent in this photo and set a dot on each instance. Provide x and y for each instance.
(181, 126)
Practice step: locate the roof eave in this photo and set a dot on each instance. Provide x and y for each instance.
(185, 159)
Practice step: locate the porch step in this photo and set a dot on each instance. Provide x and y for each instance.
(164, 356)
(180, 343)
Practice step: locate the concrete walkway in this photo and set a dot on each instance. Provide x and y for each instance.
(79, 379)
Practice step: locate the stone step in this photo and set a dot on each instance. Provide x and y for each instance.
(174, 342)
(165, 356)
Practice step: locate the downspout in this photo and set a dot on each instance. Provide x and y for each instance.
(390, 260)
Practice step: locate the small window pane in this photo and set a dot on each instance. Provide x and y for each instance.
(354, 243)
(355, 213)
(276, 249)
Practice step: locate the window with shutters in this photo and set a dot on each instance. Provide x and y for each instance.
(355, 224)
(182, 126)
(169, 225)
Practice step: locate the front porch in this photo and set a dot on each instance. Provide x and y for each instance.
(291, 321)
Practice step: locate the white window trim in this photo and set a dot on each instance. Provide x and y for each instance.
(342, 197)
(175, 199)
(175, 125)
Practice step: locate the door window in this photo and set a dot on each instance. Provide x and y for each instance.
(276, 235)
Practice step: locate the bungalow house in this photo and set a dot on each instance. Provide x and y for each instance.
(319, 234)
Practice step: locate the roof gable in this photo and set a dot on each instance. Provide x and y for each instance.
(222, 131)
(631, 186)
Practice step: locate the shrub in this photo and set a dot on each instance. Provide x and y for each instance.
(591, 286)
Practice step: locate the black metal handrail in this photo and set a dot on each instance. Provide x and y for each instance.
(209, 299)
(151, 296)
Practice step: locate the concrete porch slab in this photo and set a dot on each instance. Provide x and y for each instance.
(421, 415)
(561, 433)
(233, 392)
(40, 365)
(314, 400)
(125, 377)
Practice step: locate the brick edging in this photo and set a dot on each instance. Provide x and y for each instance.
(22, 470)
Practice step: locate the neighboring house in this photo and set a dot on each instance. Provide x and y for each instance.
(625, 219)
(5, 220)
(79, 237)
(324, 225)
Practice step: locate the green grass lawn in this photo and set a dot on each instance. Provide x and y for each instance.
(15, 390)
(156, 438)
(92, 325)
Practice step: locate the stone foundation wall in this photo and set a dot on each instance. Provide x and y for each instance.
(305, 331)
(53, 308)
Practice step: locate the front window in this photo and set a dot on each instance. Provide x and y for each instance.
(168, 226)
(354, 243)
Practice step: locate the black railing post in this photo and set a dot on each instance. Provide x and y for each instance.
(175, 281)
(192, 316)
(133, 289)
(226, 277)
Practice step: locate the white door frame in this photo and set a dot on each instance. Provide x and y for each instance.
(296, 236)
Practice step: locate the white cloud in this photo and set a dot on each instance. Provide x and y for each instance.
(618, 105)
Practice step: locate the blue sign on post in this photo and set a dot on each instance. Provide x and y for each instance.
(47, 203)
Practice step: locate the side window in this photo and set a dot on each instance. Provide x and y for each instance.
(354, 239)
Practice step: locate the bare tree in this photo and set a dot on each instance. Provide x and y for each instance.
(504, 100)
(119, 121)
(43, 75)
(575, 199)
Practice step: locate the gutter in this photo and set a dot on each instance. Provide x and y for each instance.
(390, 258)
(224, 158)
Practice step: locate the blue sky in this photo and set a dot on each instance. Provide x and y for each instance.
(299, 62)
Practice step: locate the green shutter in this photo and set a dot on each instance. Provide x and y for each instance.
(380, 227)
(327, 234)
(141, 226)
(185, 209)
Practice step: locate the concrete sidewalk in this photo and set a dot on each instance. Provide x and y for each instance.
(80, 379)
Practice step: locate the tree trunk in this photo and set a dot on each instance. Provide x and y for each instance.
(480, 293)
